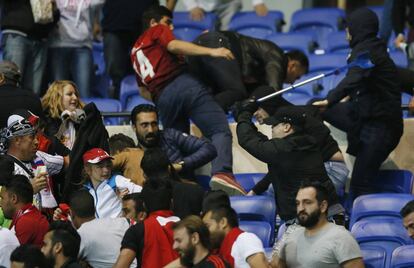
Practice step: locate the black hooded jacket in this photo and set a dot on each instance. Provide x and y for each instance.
(374, 92)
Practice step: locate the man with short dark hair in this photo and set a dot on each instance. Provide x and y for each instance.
(133, 207)
(192, 242)
(61, 245)
(27, 256)
(12, 96)
(150, 241)
(257, 62)
(407, 213)
(320, 243)
(240, 249)
(157, 60)
(185, 152)
(16, 201)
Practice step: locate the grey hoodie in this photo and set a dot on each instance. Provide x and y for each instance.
(74, 28)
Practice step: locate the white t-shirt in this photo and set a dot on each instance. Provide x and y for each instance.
(245, 246)
(101, 241)
(8, 242)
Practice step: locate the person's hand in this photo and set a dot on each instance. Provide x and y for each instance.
(197, 14)
(222, 52)
(261, 9)
(411, 105)
(260, 115)
(251, 193)
(400, 39)
(322, 105)
(39, 182)
(121, 192)
(178, 166)
(57, 214)
(248, 105)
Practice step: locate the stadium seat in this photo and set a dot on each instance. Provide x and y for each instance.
(259, 208)
(326, 62)
(259, 33)
(244, 20)
(99, 61)
(106, 105)
(135, 100)
(374, 257)
(297, 97)
(281, 231)
(394, 181)
(403, 257)
(204, 181)
(399, 58)
(187, 29)
(387, 234)
(268, 253)
(336, 43)
(378, 206)
(290, 41)
(321, 21)
(127, 89)
(248, 180)
(260, 228)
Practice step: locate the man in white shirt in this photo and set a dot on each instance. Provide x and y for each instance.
(319, 244)
(8, 242)
(224, 9)
(240, 249)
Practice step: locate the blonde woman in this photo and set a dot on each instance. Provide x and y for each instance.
(63, 110)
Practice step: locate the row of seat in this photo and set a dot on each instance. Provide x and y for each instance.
(376, 257)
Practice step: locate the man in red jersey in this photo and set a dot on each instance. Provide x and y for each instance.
(192, 242)
(158, 63)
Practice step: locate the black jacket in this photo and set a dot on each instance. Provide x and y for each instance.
(17, 15)
(92, 133)
(259, 59)
(290, 160)
(374, 92)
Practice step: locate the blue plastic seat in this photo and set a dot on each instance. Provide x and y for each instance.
(374, 257)
(106, 105)
(378, 206)
(399, 58)
(281, 231)
(297, 97)
(128, 88)
(326, 62)
(290, 41)
(403, 257)
(255, 208)
(249, 180)
(244, 20)
(134, 101)
(262, 229)
(388, 234)
(336, 43)
(394, 181)
(187, 29)
(268, 252)
(320, 21)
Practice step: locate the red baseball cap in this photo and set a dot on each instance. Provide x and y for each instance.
(95, 155)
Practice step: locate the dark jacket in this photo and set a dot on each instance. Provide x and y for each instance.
(179, 146)
(12, 98)
(92, 133)
(17, 15)
(374, 92)
(259, 59)
(290, 160)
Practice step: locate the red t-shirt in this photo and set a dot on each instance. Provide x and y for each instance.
(30, 225)
(154, 65)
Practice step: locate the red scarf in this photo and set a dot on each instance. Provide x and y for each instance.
(158, 239)
(227, 244)
(25, 209)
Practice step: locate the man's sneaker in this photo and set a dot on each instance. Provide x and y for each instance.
(227, 183)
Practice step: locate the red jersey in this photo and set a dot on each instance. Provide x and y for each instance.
(154, 65)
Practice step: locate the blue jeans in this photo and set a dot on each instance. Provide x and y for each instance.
(30, 55)
(187, 98)
(338, 173)
(72, 63)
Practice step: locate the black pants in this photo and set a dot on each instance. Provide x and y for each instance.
(222, 75)
(376, 139)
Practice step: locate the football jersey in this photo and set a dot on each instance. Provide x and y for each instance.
(154, 65)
